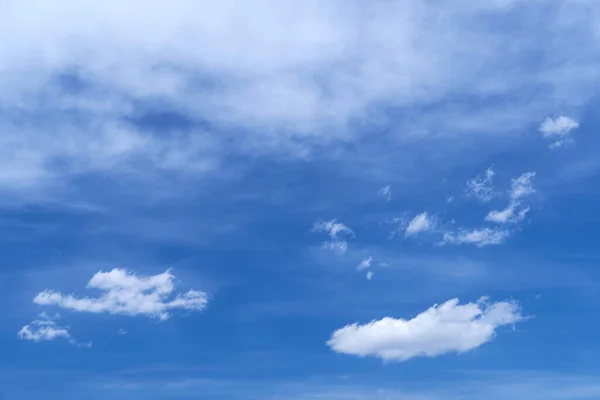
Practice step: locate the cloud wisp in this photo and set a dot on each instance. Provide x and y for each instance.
(558, 129)
(422, 222)
(515, 212)
(446, 328)
(128, 294)
(481, 187)
(478, 237)
(45, 329)
(337, 231)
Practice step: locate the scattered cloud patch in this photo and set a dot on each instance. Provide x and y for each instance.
(515, 212)
(386, 192)
(421, 223)
(478, 237)
(336, 230)
(370, 275)
(559, 130)
(126, 293)
(365, 263)
(45, 329)
(122, 331)
(449, 199)
(481, 187)
(446, 328)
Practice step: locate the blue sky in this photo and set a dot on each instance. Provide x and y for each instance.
(390, 200)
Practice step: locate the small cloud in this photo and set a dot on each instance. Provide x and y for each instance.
(447, 328)
(421, 223)
(558, 129)
(508, 215)
(450, 199)
(334, 229)
(515, 212)
(370, 275)
(128, 294)
(122, 331)
(478, 237)
(365, 263)
(386, 192)
(480, 187)
(522, 186)
(46, 329)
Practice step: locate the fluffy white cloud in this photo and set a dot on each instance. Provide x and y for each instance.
(481, 187)
(128, 294)
(386, 192)
(420, 223)
(478, 237)
(336, 230)
(450, 327)
(369, 275)
(558, 129)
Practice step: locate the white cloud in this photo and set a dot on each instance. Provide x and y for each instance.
(45, 329)
(271, 68)
(508, 215)
(386, 192)
(479, 237)
(421, 223)
(480, 187)
(365, 263)
(558, 129)
(449, 199)
(128, 294)
(335, 230)
(369, 275)
(522, 186)
(515, 212)
(447, 328)
(122, 331)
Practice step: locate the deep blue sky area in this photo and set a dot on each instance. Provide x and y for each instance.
(333, 200)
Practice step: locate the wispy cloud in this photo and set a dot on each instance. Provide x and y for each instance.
(447, 328)
(559, 130)
(422, 222)
(128, 294)
(478, 237)
(369, 275)
(336, 230)
(45, 328)
(481, 187)
(515, 212)
(386, 192)
(365, 263)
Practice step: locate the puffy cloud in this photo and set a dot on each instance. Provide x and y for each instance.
(446, 328)
(45, 329)
(522, 186)
(386, 192)
(480, 187)
(128, 294)
(421, 223)
(335, 230)
(369, 275)
(478, 237)
(558, 129)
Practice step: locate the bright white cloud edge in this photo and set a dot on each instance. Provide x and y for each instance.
(446, 328)
(126, 293)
